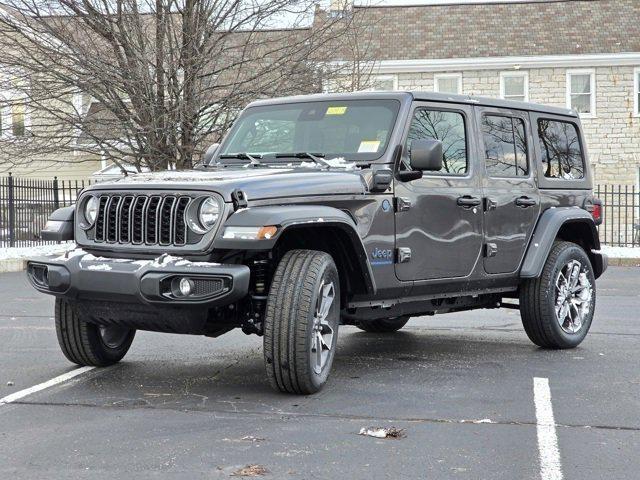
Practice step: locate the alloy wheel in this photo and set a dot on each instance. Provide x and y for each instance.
(573, 296)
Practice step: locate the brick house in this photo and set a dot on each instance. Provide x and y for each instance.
(580, 54)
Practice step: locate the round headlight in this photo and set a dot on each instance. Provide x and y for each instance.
(209, 213)
(91, 209)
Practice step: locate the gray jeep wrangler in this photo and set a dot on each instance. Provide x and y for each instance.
(318, 211)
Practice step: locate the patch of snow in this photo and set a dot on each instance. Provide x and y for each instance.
(100, 266)
(340, 162)
(192, 176)
(484, 420)
(70, 254)
(380, 432)
(310, 165)
(621, 252)
(26, 252)
(142, 263)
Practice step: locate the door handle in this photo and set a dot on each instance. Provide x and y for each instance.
(468, 201)
(525, 202)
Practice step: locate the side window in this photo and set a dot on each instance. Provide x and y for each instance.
(505, 145)
(449, 128)
(561, 150)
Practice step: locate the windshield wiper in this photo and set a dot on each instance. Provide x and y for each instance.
(252, 157)
(316, 157)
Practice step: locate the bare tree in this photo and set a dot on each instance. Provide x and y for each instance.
(354, 65)
(152, 83)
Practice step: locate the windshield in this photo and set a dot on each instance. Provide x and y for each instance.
(356, 130)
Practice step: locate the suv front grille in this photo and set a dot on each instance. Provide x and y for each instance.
(141, 219)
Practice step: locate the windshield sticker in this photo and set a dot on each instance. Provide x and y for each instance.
(369, 146)
(336, 110)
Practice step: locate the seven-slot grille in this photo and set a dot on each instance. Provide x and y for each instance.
(142, 219)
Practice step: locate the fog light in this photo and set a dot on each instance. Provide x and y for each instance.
(186, 286)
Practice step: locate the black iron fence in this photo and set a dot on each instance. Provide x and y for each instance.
(25, 205)
(621, 215)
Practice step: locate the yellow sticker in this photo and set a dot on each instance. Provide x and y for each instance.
(336, 110)
(369, 146)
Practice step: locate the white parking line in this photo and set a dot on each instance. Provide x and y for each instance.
(41, 386)
(550, 467)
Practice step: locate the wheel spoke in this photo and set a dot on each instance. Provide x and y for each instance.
(574, 275)
(561, 281)
(318, 353)
(325, 301)
(323, 331)
(327, 336)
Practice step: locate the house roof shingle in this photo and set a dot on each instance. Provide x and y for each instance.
(548, 27)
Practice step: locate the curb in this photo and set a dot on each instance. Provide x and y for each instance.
(624, 262)
(13, 265)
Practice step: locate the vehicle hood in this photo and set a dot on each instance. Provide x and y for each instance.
(256, 183)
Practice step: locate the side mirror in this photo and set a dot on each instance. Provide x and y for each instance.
(211, 151)
(426, 155)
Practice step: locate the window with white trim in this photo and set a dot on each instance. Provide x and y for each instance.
(448, 83)
(581, 92)
(636, 92)
(514, 86)
(383, 83)
(15, 119)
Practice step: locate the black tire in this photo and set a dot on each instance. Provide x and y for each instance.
(289, 327)
(83, 343)
(383, 325)
(538, 299)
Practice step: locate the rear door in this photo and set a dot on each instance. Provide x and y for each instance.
(439, 216)
(511, 198)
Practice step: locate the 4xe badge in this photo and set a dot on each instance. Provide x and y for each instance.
(382, 256)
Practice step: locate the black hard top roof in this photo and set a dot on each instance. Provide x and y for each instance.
(419, 95)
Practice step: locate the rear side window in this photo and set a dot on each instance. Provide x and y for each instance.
(562, 155)
(449, 128)
(505, 146)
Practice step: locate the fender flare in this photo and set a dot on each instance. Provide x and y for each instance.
(288, 218)
(546, 232)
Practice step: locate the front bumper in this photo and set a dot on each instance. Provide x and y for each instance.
(81, 276)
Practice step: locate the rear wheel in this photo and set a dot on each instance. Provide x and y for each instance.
(89, 344)
(301, 322)
(383, 325)
(557, 308)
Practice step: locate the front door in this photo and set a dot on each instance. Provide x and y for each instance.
(439, 216)
(512, 202)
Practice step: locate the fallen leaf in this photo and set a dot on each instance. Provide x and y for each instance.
(250, 471)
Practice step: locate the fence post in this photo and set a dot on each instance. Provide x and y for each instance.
(56, 198)
(12, 212)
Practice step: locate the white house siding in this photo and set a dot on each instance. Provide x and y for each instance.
(613, 136)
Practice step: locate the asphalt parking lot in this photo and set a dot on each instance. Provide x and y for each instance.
(461, 386)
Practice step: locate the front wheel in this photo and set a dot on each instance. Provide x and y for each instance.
(86, 343)
(301, 322)
(557, 308)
